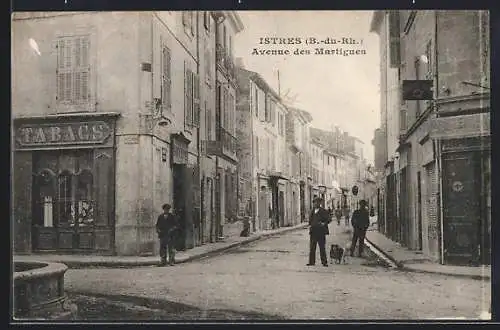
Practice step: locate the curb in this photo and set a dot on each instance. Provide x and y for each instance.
(398, 264)
(123, 264)
(402, 267)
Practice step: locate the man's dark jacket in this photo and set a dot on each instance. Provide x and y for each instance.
(166, 225)
(318, 222)
(360, 219)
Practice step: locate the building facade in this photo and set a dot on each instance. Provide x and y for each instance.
(110, 136)
(298, 123)
(444, 142)
(318, 168)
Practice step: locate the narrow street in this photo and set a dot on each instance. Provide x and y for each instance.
(269, 280)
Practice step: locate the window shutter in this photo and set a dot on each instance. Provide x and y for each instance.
(61, 75)
(257, 151)
(208, 122)
(82, 74)
(190, 97)
(73, 70)
(196, 100)
(186, 94)
(65, 63)
(224, 107)
(166, 79)
(394, 36)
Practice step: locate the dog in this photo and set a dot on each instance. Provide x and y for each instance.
(337, 254)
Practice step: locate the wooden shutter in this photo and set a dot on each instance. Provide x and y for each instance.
(224, 107)
(256, 151)
(73, 70)
(187, 85)
(196, 99)
(64, 69)
(394, 38)
(82, 74)
(208, 121)
(166, 79)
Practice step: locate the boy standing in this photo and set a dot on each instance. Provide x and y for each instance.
(166, 227)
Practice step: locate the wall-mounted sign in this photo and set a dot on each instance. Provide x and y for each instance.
(179, 149)
(62, 134)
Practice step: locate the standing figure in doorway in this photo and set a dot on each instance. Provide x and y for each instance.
(360, 223)
(167, 227)
(318, 229)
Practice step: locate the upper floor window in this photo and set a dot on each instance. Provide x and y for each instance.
(191, 98)
(166, 79)
(73, 71)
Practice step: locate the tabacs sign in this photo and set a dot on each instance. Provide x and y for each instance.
(61, 134)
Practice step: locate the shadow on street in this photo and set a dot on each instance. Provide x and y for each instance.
(130, 308)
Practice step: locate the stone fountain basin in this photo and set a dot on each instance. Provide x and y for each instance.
(39, 291)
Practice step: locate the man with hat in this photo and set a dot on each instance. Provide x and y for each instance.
(318, 229)
(360, 223)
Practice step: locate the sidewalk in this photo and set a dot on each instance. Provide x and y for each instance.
(231, 241)
(417, 262)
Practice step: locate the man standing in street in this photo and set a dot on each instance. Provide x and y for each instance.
(360, 223)
(318, 229)
(166, 227)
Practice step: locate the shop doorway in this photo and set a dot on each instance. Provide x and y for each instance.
(73, 200)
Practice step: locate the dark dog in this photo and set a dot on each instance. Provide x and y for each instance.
(337, 254)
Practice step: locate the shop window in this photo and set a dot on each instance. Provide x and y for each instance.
(65, 199)
(84, 203)
(45, 184)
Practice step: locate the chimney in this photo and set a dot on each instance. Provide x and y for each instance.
(239, 62)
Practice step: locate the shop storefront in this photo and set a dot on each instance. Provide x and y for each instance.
(63, 184)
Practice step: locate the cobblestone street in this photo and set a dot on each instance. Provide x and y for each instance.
(270, 278)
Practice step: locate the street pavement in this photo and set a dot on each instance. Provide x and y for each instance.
(270, 277)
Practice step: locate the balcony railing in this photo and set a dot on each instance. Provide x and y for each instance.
(228, 143)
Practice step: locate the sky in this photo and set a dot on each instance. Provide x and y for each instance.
(335, 89)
